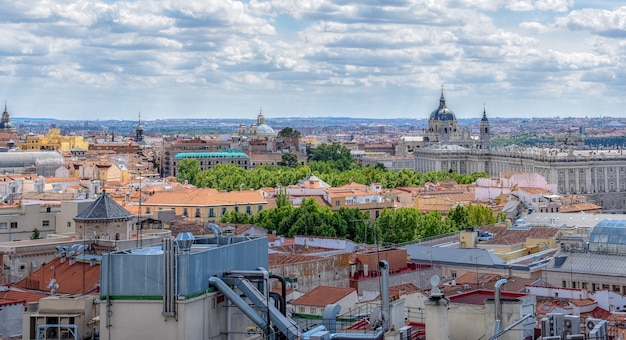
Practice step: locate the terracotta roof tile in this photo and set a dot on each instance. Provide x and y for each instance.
(502, 235)
(323, 295)
(78, 278)
(13, 294)
(204, 197)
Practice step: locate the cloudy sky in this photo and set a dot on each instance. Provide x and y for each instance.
(90, 59)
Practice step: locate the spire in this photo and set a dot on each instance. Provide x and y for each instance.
(139, 130)
(484, 114)
(139, 126)
(260, 119)
(5, 107)
(442, 100)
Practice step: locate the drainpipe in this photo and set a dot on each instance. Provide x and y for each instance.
(384, 294)
(283, 291)
(496, 326)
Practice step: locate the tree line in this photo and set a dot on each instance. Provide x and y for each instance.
(332, 163)
(393, 226)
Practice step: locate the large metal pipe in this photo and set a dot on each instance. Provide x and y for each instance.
(283, 291)
(384, 294)
(498, 287)
(215, 229)
(238, 301)
(169, 279)
(498, 302)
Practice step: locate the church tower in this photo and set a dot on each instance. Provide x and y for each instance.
(5, 124)
(139, 131)
(485, 131)
(442, 123)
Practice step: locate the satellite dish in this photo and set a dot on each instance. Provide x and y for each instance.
(375, 317)
(435, 292)
(434, 281)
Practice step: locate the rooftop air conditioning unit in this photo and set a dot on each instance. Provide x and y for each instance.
(575, 337)
(600, 331)
(590, 324)
(405, 332)
(571, 325)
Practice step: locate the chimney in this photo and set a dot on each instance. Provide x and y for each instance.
(436, 307)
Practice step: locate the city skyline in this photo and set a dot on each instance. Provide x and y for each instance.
(329, 58)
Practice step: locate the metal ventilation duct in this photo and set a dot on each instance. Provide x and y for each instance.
(184, 241)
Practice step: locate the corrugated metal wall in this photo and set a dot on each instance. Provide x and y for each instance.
(141, 275)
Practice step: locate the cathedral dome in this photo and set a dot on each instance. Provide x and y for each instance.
(442, 113)
(6, 125)
(265, 129)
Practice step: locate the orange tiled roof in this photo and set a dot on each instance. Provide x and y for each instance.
(534, 191)
(14, 294)
(323, 295)
(576, 207)
(279, 259)
(473, 278)
(79, 278)
(204, 197)
(501, 235)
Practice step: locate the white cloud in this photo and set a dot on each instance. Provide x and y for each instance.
(318, 52)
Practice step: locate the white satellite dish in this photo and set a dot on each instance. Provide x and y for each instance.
(435, 292)
(377, 317)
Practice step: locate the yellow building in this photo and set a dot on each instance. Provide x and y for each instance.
(205, 204)
(53, 140)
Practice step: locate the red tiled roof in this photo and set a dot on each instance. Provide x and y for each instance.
(478, 297)
(323, 295)
(502, 235)
(14, 294)
(79, 278)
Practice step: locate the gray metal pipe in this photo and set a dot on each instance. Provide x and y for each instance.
(384, 294)
(498, 302)
(238, 301)
(215, 229)
(498, 286)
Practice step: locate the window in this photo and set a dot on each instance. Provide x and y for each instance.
(337, 203)
(301, 309)
(211, 212)
(249, 210)
(3, 225)
(47, 209)
(45, 223)
(197, 212)
(236, 209)
(261, 208)
(313, 310)
(185, 212)
(147, 210)
(453, 275)
(223, 211)
(13, 225)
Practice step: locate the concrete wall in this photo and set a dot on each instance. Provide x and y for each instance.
(512, 311)
(28, 217)
(329, 271)
(466, 321)
(11, 319)
(80, 309)
(203, 317)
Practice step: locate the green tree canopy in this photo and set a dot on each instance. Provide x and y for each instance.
(288, 132)
(289, 160)
(188, 170)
